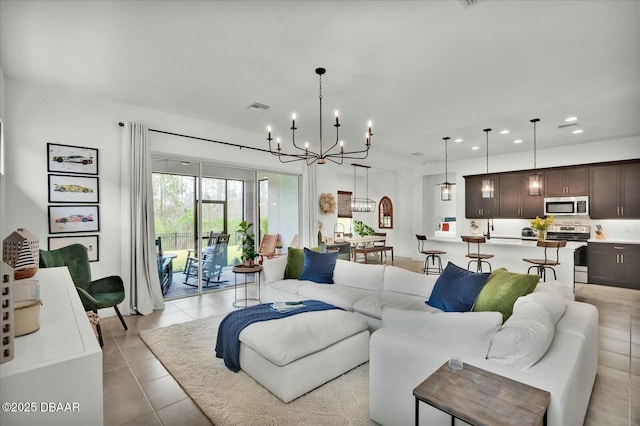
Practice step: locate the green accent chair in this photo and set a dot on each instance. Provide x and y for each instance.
(103, 293)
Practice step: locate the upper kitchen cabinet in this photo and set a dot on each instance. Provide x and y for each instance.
(566, 182)
(615, 191)
(514, 199)
(475, 206)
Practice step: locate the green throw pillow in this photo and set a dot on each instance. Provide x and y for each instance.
(501, 291)
(295, 262)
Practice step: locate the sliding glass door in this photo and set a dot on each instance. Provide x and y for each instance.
(195, 202)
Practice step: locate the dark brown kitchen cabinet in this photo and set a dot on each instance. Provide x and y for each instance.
(615, 191)
(566, 182)
(614, 264)
(514, 198)
(475, 206)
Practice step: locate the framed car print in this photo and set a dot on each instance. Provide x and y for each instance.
(72, 159)
(91, 242)
(73, 189)
(69, 219)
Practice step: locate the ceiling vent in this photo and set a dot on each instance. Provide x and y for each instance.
(564, 125)
(257, 106)
(467, 3)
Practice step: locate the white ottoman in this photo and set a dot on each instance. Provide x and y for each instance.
(296, 354)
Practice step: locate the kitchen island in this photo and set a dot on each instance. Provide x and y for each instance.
(508, 253)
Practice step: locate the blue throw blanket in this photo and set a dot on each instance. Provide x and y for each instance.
(228, 341)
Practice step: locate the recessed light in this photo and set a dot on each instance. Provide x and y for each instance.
(475, 148)
(570, 119)
(458, 140)
(577, 131)
(185, 163)
(504, 132)
(518, 141)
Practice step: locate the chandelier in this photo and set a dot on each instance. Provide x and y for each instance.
(361, 204)
(332, 154)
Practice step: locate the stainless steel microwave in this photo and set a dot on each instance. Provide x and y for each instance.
(574, 206)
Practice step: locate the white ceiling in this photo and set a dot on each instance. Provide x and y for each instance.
(421, 70)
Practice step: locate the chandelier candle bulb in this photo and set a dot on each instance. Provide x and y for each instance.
(337, 123)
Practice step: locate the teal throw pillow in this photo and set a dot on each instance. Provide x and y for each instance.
(502, 290)
(456, 289)
(318, 267)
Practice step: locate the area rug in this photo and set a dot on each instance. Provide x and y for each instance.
(187, 351)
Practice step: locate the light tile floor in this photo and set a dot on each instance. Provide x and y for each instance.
(138, 390)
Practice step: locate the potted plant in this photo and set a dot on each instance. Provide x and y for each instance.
(279, 247)
(541, 226)
(248, 243)
(362, 229)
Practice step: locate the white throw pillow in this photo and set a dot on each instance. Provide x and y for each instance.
(358, 275)
(524, 337)
(550, 295)
(274, 268)
(462, 333)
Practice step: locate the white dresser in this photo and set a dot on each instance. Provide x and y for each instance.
(55, 377)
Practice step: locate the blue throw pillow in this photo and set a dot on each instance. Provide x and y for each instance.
(318, 267)
(456, 289)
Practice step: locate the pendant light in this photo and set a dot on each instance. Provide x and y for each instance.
(535, 179)
(487, 183)
(361, 204)
(446, 187)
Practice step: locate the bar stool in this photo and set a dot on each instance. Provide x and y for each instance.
(543, 264)
(476, 256)
(431, 254)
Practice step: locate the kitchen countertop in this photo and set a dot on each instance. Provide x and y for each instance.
(508, 240)
(614, 241)
(509, 252)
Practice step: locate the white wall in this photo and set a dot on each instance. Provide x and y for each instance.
(434, 209)
(36, 115)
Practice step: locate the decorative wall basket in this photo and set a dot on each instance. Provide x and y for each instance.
(20, 250)
(327, 203)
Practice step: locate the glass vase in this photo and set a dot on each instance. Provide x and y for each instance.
(542, 234)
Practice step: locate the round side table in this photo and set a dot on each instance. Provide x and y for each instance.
(244, 270)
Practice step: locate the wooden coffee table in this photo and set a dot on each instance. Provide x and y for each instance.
(480, 397)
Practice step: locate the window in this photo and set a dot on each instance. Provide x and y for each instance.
(385, 213)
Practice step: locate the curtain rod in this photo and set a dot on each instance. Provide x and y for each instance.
(121, 124)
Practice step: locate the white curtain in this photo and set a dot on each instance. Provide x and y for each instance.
(138, 256)
(312, 202)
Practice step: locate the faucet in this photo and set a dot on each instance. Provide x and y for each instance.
(489, 229)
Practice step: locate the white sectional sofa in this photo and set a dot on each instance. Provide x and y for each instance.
(365, 289)
(549, 342)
